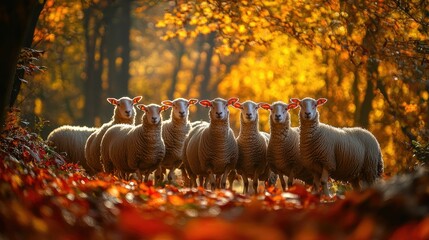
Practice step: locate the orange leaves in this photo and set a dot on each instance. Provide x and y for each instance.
(43, 199)
(410, 108)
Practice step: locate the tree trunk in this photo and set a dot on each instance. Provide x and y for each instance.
(92, 28)
(206, 93)
(207, 75)
(372, 74)
(195, 71)
(176, 70)
(28, 40)
(14, 21)
(117, 19)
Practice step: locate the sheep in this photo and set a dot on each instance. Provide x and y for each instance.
(252, 146)
(283, 155)
(345, 154)
(210, 149)
(174, 132)
(140, 148)
(71, 140)
(125, 113)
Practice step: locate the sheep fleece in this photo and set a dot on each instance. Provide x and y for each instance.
(347, 153)
(130, 148)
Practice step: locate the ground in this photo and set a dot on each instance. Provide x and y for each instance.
(43, 197)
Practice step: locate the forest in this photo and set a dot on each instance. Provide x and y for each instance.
(62, 59)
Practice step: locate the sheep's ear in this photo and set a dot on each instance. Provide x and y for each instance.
(265, 106)
(205, 103)
(232, 100)
(193, 101)
(164, 107)
(237, 105)
(292, 105)
(112, 101)
(321, 101)
(167, 102)
(137, 99)
(295, 100)
(141, 107)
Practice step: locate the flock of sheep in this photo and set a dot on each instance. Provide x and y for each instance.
(210, 152)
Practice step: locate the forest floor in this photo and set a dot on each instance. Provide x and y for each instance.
(42, 197)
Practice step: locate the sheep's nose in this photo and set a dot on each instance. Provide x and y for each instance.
(154, 118)
(218, 113)
(307, 113)
(248, 114)
(128, 112)
(277, 116)
(182, 113)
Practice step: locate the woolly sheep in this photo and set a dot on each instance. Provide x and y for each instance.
(211, 149)
(71, 140)
(252, 146)
(138, 148)
(283, 148)
(174, 132)
(345, 154)
(125, 113)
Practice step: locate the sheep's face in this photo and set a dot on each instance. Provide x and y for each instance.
(279, 113)
(180, 107)
(249, 110)
(218, 108)
(124, 106)
(308, 107)
(153, 112)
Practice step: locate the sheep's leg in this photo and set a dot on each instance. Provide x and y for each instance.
(255, 183)
(170, 175)
(245, 184)
(193, 181)
(159, 173)
(185, 178)
(316, 183)
(224, 176)
(139, 175)
(282, 181)
(218, 181)
(290, 179)
(212, 180)
(201, 181)
(356, 185)
(231, 178)
(324, 181)
(146, 177)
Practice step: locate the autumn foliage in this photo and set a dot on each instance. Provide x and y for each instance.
(44, 197)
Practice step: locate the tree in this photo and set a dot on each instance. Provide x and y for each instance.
(16, 21)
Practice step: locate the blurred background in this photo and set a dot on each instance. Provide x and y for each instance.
(368, 58)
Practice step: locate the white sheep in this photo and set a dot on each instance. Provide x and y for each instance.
(125, 113)
(140, 148)
(283, 155)
(174, 132)
(345, 154)
(252, 146)
(210, 150)
(71, 140)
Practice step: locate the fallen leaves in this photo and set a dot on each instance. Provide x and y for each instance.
(42, 197)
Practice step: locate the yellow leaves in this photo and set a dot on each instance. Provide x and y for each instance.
(424, 95)
(161, 24)
(182, 34)
(242, 29)
(38, 106)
